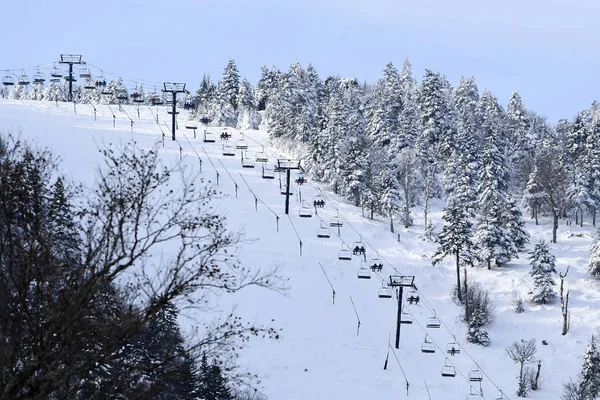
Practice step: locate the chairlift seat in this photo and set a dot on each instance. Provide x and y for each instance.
(8, 80)
(364, 273)
(209, 137)
(261, 157)
(139, 100)
(24, 80)
(432, 322)
(448, 371)
(247, 163)
(305, 211)
(268, 173)
(89, 86)
(454, 346)
(345, 254)
(475, 376)
(428, 347)
(241, 144)
(406, 318)
(323, 233)
(336, 222)
(228, 151)
(384, 293)
(191, 125)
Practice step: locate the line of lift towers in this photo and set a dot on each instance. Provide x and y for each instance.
(396, 282)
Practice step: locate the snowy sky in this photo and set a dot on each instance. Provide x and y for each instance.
(546, 49)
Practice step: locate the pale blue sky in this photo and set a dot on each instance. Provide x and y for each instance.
(548, 50)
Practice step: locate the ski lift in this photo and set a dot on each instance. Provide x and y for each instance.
(268, 172)
(453, 348)
(336, 222)
(385, 292)
(39, 78)
(228, 150)
(106, 92)
(300, 179)
(345, 254)
(473, 395)
(209, 137)
(23, 79)
(448, 370)
(406, 318)
(247, 159)
(427, 346)
(8, 80)
(85, 73)
(475, 375)
(135, 95)
(305, 211)
(323, 231)
(433, 322)
(56, 73)
(89, 84)
(241, 144)
(122, 96)
(139, 100)
(358, 247)
(376, 264)
(261, 156)
(363, 272)
(319, 201)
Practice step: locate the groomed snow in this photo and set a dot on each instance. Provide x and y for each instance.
(320, 355)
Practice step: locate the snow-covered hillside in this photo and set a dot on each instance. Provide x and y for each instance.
(321, 353)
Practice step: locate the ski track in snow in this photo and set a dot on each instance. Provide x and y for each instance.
(320, 355)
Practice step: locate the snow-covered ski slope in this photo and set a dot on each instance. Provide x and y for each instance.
(321, 354)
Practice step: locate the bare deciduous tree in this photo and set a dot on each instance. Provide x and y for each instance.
(521, 353)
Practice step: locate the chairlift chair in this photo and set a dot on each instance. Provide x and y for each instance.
(89, 84)
(209, 137)
(345, 254)
(453, 347)
(433, 322)
(475, 375)
(473, 395)
(319, 201)
(228, 150)
(56, 73)
(358, 247)
(336, 222)
(363, 272)
(300, 179)
(122, 96)
(23, 79)
(268, 172)
(376, 264)
(323, 231)
(261, 156)
(139, 100)
(406, 318)
(448, 370)
(385, 292)
(8, 80)
(85, 73)
(247, 160)
(427, 346)
(106, 92)
(241, 144)
(39, 77)
(305, 211)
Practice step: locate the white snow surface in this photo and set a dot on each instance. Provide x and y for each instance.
(320, 355)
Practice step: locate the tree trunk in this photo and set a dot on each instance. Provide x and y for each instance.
(467, 311)
(594, 216)
(489, 263)
(406, 204)
(521, 371)
(536, 215)
(392, 222)
(372, 211)
(565, 327)
(535, 385)
(581, 219)
(458, 291)
(554, 225)
(576, 216)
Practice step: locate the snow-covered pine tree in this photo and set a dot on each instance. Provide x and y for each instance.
(229, 86)
(594, 263)
(476, 333)
(53, 92)
(212, 383)
(592, 159)
(492, 239)
(590, 371)
(37, 91)
(543, 265)
(515, 225)
(19, 92)
(455, 239)
(248, 116)
(520, 142)
(114, 89)
(410, 180)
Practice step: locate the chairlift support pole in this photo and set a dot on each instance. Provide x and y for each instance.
(174, 89)
(70, 59)
(287, 165)
(400, 281)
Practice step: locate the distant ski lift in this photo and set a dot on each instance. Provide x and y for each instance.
(475, 375)
(247, 160)
(135, 95)
(448, 370)
(453, 348)
(358, 247)
(39, 78)
(473, 395)
(209, 137)
(385, 292)
(363, 272)
(261, 156)
(139, 100)
(336, 222)
(305, 210)
(427, 346)
(8, 80)
(432, 322)
(345, 254)
(268, 172)
(376, 264)
(323, 231)
(122, 95)
(56, 73)
(191, 124)
(300, 179)
(406, 318)
(85, 73)
(89, 84)
(228, 150)
(106, 92)
(24, 79)
(156, 101)
(241, 144)
(319, 201)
